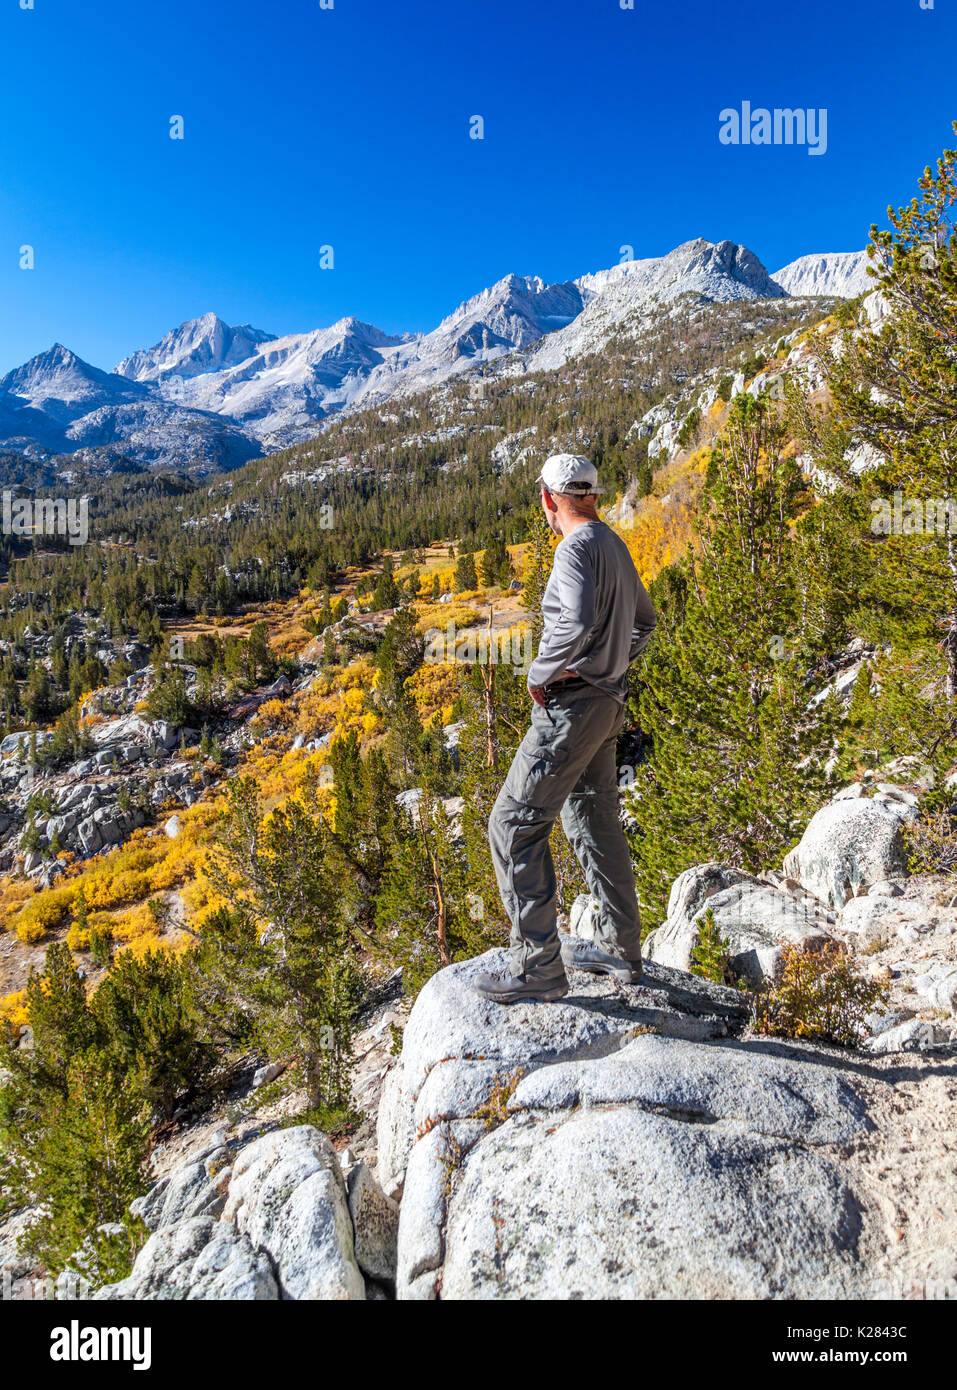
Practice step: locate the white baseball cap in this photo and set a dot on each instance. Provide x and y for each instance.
(571, 473)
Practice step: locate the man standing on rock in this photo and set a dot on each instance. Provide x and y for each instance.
(598, 618)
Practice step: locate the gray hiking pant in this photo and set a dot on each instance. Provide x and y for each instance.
(566, 764)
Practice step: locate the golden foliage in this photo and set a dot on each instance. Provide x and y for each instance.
(434, 688)
(661, 529)
(438, 615)
(118, 885)
(819, 995)
(13, 1011)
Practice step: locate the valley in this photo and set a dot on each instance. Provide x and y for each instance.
(251, 732)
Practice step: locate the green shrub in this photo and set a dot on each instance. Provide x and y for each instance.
(74, 1129)
(688, 432)
(709, 957)
(149, 1024)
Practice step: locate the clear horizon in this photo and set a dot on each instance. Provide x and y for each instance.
(307, 127)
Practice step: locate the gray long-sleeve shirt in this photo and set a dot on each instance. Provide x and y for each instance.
(598, 616)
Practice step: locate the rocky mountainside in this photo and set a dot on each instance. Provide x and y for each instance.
(209, 397)
(288, 385)
(703, 1160)
(839, 273)
(200, 345)
(623, 299)
(57, 404)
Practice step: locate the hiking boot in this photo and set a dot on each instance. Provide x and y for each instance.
(582, 955)
(511, 989)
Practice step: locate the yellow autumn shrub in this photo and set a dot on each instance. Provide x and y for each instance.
(438, 616)
(137, 921)
(47, 911)
(434, 687)
(13, 1012)
(149, 863)
(13, 894)
(148, 944)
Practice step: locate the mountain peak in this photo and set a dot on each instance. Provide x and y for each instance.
(269, 392)
(711, 272)
(197, 346)
(58, 356)
(699, 261)
(352, 327)
(55, 364)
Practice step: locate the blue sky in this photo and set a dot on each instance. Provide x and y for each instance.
(350, 127)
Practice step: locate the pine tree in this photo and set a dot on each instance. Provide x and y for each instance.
(386, 592)
(73, 1129)
(87, 1161)
(496, 563)
(536, 568)
(38, 695)
(364, 809)
(261, 663)
(69, 740)
(423, 907)
(400, 654)
(490, 734)
(80, 912)
(737, 762)
(30, 836)
(282, 950)
(709, 955)
(894, 388)
(99, 947)
(168, 699)
(145, 1007)
(466, 577)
